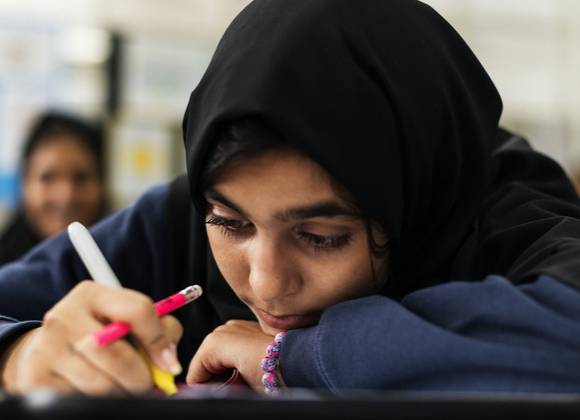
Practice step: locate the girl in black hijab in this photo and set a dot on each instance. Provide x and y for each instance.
(388, 99)
(351, 188)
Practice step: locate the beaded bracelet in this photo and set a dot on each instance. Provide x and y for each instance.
(270, 363)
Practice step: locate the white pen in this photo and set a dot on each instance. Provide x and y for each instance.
(91, 255)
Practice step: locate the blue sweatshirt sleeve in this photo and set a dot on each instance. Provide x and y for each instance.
(132, 241)
(490, 336)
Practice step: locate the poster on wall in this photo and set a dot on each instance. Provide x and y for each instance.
(139, 157)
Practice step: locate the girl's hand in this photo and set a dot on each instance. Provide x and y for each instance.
(62, 354)
(236, 344)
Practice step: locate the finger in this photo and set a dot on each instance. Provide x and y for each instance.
(198, 372)
(33, 371)
(119, 361)
(240, 323)
(172, 327)
(35, 377)
(136, 309)
(52, 382)
(209, 360)
(123, 367)
(83, 376)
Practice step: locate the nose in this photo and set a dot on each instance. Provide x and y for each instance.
(273, 276)
(65, 193)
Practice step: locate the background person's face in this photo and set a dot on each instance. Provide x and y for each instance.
(285, 242)
(61, 185)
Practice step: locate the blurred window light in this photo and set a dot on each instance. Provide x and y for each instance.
(84, 46)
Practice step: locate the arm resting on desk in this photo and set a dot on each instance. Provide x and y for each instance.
(484, 336)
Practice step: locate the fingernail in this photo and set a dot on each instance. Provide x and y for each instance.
(169, 357)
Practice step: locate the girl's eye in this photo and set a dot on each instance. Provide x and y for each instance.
(317, 242)
(329, 243)
(228, 226)
(47, 177)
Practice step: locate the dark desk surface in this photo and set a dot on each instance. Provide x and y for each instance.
(300, 405)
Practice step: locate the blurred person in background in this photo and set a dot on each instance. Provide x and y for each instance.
(62, 172)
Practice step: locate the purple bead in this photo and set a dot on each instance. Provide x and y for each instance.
(273, 349)
(268, 364)
(269, 380)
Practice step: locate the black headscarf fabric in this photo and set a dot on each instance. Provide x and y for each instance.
(387, 97)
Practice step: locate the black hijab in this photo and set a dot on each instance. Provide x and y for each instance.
(387, 97)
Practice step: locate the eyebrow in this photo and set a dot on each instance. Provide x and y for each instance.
(321, 209)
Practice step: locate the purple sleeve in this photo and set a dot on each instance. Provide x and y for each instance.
(484, 336)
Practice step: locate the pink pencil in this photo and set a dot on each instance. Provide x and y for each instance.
(119, 329)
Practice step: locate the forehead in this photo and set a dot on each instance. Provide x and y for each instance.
(277, 161)
(278, 178)
(61, 152)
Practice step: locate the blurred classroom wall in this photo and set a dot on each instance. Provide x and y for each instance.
(134, 63)
(531, 48)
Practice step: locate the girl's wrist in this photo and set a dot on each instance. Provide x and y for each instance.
(9, 359)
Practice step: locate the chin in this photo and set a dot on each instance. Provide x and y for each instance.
(266, 329)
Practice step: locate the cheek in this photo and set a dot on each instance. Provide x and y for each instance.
(342, 275)
(230, 261)
(333, 280)
(90, 195)
(35, 194)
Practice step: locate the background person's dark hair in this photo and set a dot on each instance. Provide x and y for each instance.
(251, 136)
(54, 124)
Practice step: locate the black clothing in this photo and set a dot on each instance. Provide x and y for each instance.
(17, 239)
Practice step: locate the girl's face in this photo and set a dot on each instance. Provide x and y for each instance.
(61, 185)
(286, 242)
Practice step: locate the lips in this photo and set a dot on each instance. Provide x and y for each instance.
(287, 322)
